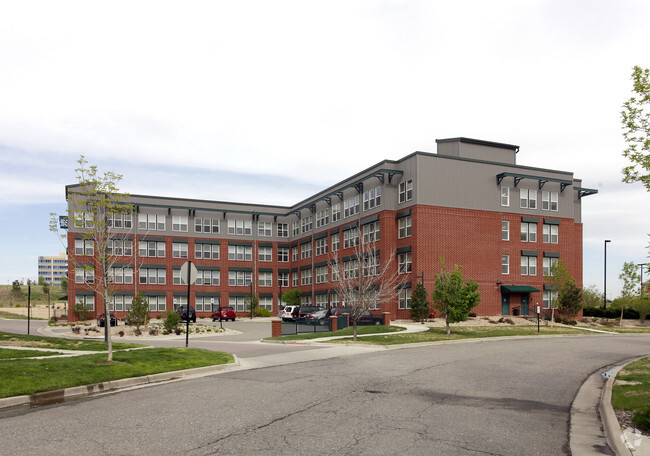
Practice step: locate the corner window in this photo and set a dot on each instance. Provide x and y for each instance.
(404, 227)
(405, 192)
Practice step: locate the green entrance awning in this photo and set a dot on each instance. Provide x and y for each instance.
(518, 289)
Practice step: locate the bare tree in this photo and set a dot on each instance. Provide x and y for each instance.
(363, 280)
(92, 207)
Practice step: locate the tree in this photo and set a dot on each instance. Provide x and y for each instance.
(557, 278)
(419, 303)
(16, 289)
(139, 313)
(64, 285)
(453, 296)
(631, 285)
(635, 119)
(292, 297)
(362, 281)
(46, 289)
(251, 302)
(82, 311)
(591, 296)
(92, 206)
(570, 300)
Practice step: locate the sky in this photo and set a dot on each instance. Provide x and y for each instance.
(270, 102)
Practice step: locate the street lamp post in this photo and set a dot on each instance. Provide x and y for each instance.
(605, 277)
(421, 276)
(642, 265)
(251, 284)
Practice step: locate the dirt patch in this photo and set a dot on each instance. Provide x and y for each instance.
(25, 343)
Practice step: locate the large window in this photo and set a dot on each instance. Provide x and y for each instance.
(306, 224)
(295, 228)
(321, 274)
(336, 212)
(158, 303)
(505, 196)
(505, 230)
(405, 298)
(265, 279)
(265, 253)
(322, 218)
(179, 250)
(86, 300)
(549, 298)
(351, 206)
(527, 198)
(240, 278)
(122, 302)
(283, 279)
(152, 249)
(529, 265)
(152, 275)
(505, 264)
(151, 222)
(305, 250)
(371, 232)
(550, 234)
(294, 253)
(207, 303)
(208, 277)
(240, 227)
(371, 265)
(283, 254)
(321, 246)
(265, 229)
(239, 303)
(240, 252)
(283, 230)
(84, 247)
(335, 242)
(549, 201)
(119, 247)
(120, 274)
(371, 198)
(266, 302)
(305, 277)
(404, 262)
(206, 251)
(405, 192)
(294, 279)
(547, 264)
(528, 232)
(351, 269)
(206, 225)
(404, 227)
(120, 221)
(84, 275)
(350, 238)
(335, 266)
(179, 223)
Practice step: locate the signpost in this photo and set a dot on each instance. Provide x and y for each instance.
(189, 272)
(538, 318)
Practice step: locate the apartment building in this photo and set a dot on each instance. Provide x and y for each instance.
(53, 268)
(470, 202)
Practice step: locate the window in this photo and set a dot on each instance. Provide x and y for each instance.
(151, 222)
(321, 246)
(240, 278)
(295, 228)
(305, 250)
(305, 277)
(122, 302)
(206, 225)
(86, 300)
(404, 263)
(208, 277)
(179, 250)
(152, 275)
(505, 196)
(266, 302)
(283, 279)
(84, 275)
(159, 303)
(335, 242)
(321, 300)
(549, 201)
(371, 198)
(350, 238)
(405, 298)
(351, 269)
(179, 223)
(120, 221)
(294, 279)
(336, 212)
(283, 254)
(334, 300)
(207, 303)
(505, 230)
(351, 206)
(371, 232)
(528, 198)
(305, 300)
(121, 274)
(294, 253)
(549, 297)
(547, 264)
(322, 218)
(240, 227)
(306, 224)
(84, 247)
(265, 253)
(550, 235)
(239, 303)
(119, 247)
(529, 265)
(206, 251)
(505, 264)
(283, 230)
(405, 191)
(264, 229)
(152, 249)
(321, 274)
(240, 252)
(265, 279)
(371, 265)
(404, 226)
(528, 232)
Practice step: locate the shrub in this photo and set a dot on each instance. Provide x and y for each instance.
(76, 330)
(262, 312)
(137, 331)
(171, 320)
(472, 315)
(178, 331)
(641, 419)
(153, 332)
(509, 321)
(121, 333)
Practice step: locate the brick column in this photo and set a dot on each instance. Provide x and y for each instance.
(386, 318)
(335, 322)
(276, 328)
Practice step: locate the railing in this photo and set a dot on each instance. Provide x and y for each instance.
(305, 327)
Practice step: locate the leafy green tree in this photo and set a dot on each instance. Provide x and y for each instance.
(591, 296)
(635, 119)
(631, 285)
(251, 303)
(92, 204)
(292, 297)
(570, 300)
(82, 311)
(419, 303)
(642, 305)
(453, 296)
(557, 278)
(171, 320)
(16, 289)
(139, 313)
(64, 285)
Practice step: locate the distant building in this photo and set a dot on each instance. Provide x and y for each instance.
(53, 268)
(471, 203)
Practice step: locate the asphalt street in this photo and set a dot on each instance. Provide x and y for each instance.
(497, 397)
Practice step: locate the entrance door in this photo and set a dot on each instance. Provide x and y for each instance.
(505, 304)
(524, 304)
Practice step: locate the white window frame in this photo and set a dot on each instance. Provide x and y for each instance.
(505, 196)
(405, 191)
(505, 230)
(179, 223)
(404, 227)
(505, 264)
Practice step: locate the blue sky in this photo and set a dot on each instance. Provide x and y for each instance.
(269, 102)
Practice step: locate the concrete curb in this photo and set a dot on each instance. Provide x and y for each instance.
(77, 392)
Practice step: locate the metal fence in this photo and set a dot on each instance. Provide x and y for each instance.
(304, 327)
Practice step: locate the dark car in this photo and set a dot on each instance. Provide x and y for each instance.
(306, 310)
(224, 313)
(182, 311)
(366, 317)
(101, 318)
(320, 317)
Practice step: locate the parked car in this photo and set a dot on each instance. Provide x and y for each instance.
(224, 313)
(318, 318)
(101, 318)
(366, 317)
(289, 313)
(182, 311)
(306, 310)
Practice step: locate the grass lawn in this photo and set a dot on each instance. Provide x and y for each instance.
(625, 330)
(13, 316)
(463, 332)
(29, 376)
(632, 392)
(6, 353)
(373, 329)
(24, 340)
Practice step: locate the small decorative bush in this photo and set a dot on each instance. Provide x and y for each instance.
(178, 331)
(76, 330)
(153, 332)
(121, 333)
(262, 312)
(137, 331)
(171, 320)
(508, 320)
